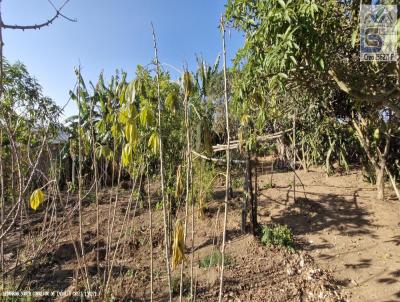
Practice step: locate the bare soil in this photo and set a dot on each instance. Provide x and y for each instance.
(344, 228)
(347, 243)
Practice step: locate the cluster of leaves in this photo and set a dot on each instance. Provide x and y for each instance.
(302, 57)
(278, 235)
(120, 119)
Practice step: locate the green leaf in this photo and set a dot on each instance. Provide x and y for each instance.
(322, 63)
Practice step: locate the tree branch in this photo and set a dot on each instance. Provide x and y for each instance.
(41, 25)
(381, 98)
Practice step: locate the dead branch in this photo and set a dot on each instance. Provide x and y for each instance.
(41, 25)
(236, 143)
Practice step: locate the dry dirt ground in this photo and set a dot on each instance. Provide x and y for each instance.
(348, 246)
(343, 227)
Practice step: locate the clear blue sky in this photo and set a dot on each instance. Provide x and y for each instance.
(110, 35)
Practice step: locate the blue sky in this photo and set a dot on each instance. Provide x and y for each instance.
(110, 35)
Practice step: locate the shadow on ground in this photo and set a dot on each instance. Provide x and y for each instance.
(329, 211)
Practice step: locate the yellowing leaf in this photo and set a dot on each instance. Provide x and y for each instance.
(187, 82)
(154, 142)
(244, 120)
(171, 101)
(126, 156)
(130, 92)
(131, 133)
(377, 134)
(122, 94)
(146, 114)
(178, 246)
(123, 115)
(354, 37)
(36, 199)
(115, 130)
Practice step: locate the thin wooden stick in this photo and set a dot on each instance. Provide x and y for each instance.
(151, 232)
(80, 181)
(228, 164)
(166, 235)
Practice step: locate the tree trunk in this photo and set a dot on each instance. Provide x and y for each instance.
(379, 163)
(255, 199)
(380, 169)
(250, 194)
(245, 199)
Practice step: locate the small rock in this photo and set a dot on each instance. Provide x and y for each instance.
(301, 262)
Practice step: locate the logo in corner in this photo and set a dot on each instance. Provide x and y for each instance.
(378, 34)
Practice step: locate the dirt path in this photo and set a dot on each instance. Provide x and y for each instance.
(343, 227)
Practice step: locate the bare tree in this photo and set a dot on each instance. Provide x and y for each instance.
(27, 27)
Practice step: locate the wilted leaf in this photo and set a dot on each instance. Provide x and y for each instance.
(154, 142)
(131, 133)
(36, 199)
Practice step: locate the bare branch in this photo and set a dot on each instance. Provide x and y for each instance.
(381, 98)
(41, 25)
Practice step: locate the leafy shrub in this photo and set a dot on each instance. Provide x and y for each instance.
(215, 259)
(278, 235)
